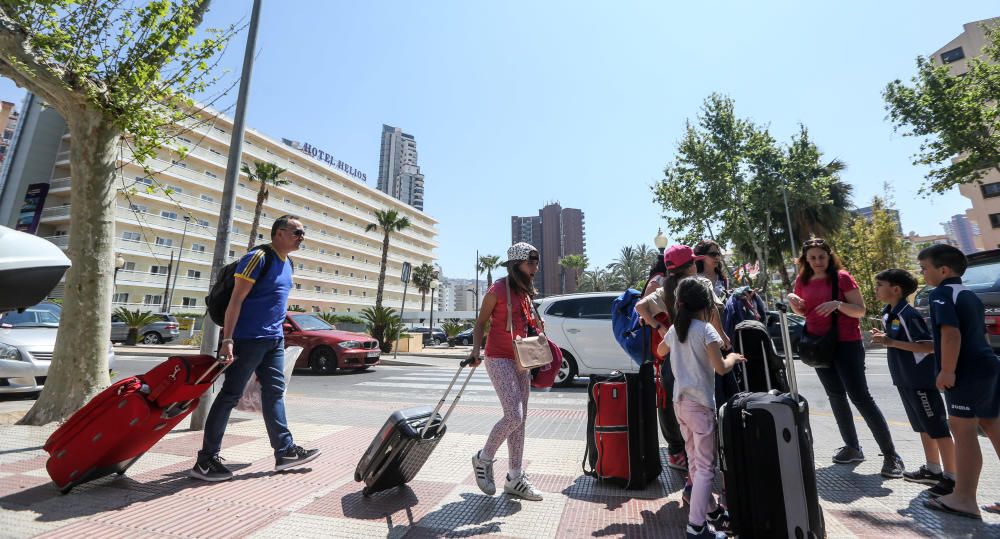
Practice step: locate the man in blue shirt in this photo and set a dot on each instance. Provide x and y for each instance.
(254, 342)
(914, 371)
(970, 372)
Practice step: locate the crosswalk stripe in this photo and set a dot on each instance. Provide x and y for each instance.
(405, 385)
(475, 379)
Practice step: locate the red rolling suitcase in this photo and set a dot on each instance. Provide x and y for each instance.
(623, 447)
(404, 443)
(122, 422)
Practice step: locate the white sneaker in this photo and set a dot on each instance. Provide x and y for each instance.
(522, 488)
(484, 474)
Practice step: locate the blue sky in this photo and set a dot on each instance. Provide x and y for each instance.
(516, 104)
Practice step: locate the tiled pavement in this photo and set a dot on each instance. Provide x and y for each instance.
(156, 499)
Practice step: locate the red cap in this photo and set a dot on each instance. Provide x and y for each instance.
(678, 255)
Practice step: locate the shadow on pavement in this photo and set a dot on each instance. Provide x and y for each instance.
(483, 513)
(613, 497)
(840, 484)
(668, 521)
(923, 521)
(111, 493)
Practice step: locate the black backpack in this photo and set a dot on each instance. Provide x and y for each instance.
(222, 289)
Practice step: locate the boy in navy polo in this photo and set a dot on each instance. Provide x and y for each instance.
(970, 373)
(914, 371)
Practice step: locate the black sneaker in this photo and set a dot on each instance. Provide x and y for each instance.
(211, 469)
(847, 455)
(294, 456)
(923, 476)
(892, 467)
(719, 519)
(943, 487)
(705, 531)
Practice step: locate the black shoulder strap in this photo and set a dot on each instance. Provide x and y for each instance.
(834, 328)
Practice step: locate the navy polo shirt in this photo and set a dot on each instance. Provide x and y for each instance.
(266, 305)
(952, 304)
(910, 370)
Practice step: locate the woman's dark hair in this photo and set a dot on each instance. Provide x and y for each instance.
(703, 247)
(670, 286)
(694, 300)
(806, 271)
(899, 277)
(519, 280)
(659, 268)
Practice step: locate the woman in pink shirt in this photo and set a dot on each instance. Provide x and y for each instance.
(813, 298)
(511, 383)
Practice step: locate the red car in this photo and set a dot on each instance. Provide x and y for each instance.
(325, 348)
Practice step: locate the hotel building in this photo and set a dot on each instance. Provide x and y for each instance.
(174, 211)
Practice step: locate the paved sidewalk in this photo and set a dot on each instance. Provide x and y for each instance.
(157, 499)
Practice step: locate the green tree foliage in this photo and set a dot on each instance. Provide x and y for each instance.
(422, 277)
(389, 222)
(574, 264)
(386, 322)
(135, 320)
(268, 174)
(868, 246)
(488, 263)
(953, 115)
(632, 265)
(726, 171)
(598, 280)
(121, 74)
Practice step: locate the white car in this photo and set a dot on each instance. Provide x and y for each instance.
(581, 325)
(27, 340)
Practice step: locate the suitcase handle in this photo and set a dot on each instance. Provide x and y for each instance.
(786, 341)
(178, 407)
(440, 404)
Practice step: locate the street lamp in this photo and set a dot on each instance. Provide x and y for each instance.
(173, 287)
(660, 241)
(119, 264)
(434, 284)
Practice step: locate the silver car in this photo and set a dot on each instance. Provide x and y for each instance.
(27, 340)
(163, 331)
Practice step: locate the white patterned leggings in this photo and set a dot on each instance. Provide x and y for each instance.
(512, 386)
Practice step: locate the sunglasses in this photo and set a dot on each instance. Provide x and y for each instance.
(299, 232)
(714, 254)
(814, 243)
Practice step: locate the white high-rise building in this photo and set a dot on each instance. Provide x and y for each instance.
(172, 213)
(398, 172)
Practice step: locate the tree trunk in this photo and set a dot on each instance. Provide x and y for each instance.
(79, 367)
(381, 272)
(261, 197)
(489, 278)
(423, 300)
(132, 337)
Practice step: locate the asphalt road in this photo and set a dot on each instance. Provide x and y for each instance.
(424, 384)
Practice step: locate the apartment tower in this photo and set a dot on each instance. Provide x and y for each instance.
(398, 173)
(556, 232)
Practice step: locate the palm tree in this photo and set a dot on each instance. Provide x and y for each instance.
(633, 264)
(488, 263)
(574, 263)
(267, 174)
(135, 320)
(597, 280)
(422, 277)
(388, 221)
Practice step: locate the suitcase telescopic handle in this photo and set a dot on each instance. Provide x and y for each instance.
(178, 407)
(786, 341)
(440, 404)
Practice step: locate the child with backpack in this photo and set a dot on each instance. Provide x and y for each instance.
(695, 349)
(914, 369)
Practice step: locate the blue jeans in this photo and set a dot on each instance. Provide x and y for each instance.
(266, 357)
(846, 378)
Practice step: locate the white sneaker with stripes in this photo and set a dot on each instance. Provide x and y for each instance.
(522, 488)
(484, 474)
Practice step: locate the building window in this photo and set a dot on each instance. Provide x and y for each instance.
(129, 266)
(202, 222)
(175, 189)
(320, 289)
(131, 236)
(189, 302)
(315, 309)
(194, 274)
(995, 220)
(990, 190)
(238, 207)
(144, 181)
(197, 247)
(178, 163)
(207, 198)
(158, 270)
(232, 253)
(120, 297)
(210, 175)
(165, 242)
(334, 290)
(139, 208)
(216, 152)
(172, 215)
(953, 55)
(151, 299)
(298, 286)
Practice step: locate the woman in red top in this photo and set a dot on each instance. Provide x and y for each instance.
(813, 298)
(511, 383)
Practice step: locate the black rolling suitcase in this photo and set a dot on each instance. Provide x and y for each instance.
(766, 449)
(404, 443)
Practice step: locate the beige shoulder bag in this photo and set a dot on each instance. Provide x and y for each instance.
(529, 352)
